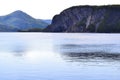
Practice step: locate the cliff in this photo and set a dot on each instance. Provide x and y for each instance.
(87, 19)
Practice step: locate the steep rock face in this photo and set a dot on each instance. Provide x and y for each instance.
(87, 19)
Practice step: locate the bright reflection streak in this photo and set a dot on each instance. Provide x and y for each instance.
(38, 56)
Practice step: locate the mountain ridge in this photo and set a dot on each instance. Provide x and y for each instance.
(21, 21)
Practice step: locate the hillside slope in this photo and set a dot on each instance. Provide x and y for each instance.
(22, 21)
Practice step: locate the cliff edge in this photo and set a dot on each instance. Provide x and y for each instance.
(103, 19)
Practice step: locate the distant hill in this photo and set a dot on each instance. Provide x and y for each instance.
(4, 28)
(48, 21)
(19, 20)
(99, 19)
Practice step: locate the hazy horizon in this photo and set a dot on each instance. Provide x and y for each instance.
(46, 9)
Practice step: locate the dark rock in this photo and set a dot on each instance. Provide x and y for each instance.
(87, 19)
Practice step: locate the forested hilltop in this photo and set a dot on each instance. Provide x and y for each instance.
(20, 21)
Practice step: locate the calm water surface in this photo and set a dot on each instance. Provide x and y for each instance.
(46, 56)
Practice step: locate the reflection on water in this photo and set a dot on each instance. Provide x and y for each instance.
(19, 50)
(88, 48)
(86, 52)
(45, 56)
(93, 56)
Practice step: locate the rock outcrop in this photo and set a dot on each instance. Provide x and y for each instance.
(87, 19)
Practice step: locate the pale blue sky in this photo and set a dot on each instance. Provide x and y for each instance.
(46, 9)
